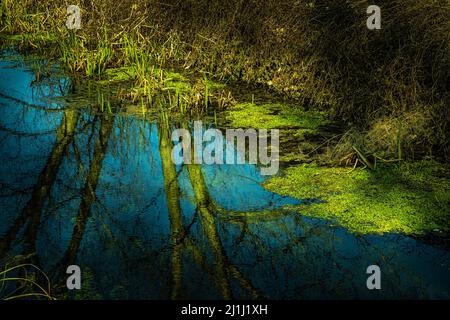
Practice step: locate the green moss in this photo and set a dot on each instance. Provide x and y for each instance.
(176, 81)
(296, 125)
(274, 116)
(409, 198)
(172, 81)
(120, 74)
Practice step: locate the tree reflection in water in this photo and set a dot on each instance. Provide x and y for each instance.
(100, 190)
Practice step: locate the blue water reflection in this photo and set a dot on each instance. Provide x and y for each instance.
(99, 191)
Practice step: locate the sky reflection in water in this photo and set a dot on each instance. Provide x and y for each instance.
(100, 191)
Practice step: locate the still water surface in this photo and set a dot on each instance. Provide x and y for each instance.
(100, 190)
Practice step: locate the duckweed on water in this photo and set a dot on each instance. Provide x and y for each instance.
(296, 126)
(120, 74)
(274, 116)
(409, 198)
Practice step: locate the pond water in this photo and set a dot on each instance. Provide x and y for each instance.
(99, 190)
